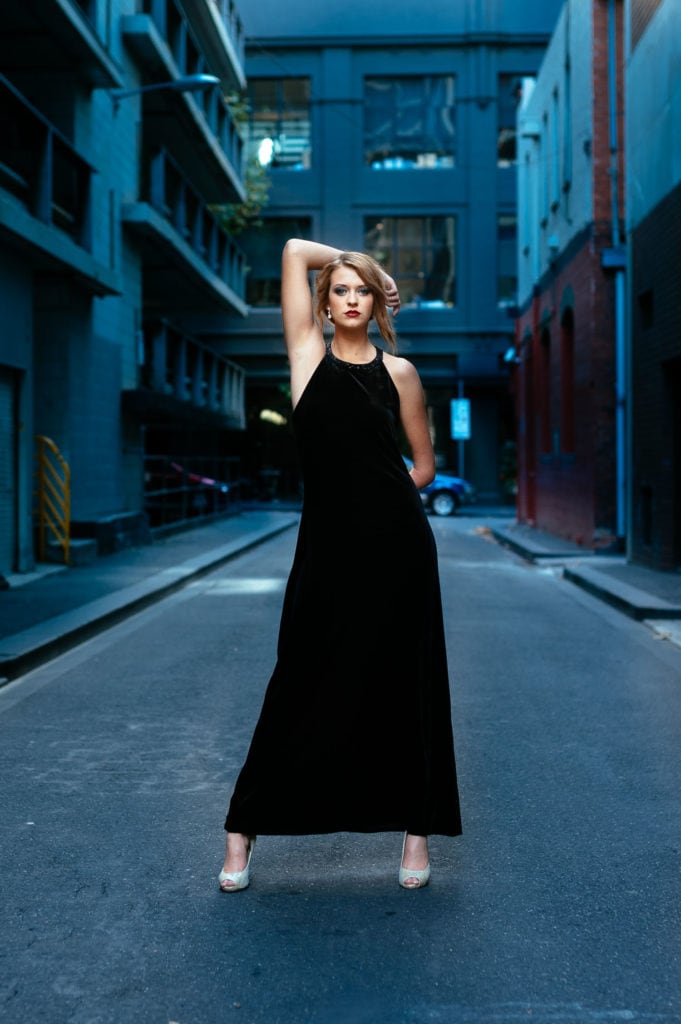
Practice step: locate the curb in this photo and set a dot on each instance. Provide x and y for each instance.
(632, 601)
(636, 603)
(535, 552)
(32, 647)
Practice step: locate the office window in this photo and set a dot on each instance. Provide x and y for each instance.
(512, 90)
(409, 122)
(262, 247)
(507, 260)
(420, 253)
(279, 129)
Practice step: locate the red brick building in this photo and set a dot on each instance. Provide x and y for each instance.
(569, 380)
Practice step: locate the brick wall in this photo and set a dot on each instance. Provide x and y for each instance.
(656, 387)
(574, 491)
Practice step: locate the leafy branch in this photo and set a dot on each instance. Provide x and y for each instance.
(237, 217)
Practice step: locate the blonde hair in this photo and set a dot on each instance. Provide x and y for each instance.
(372, 274)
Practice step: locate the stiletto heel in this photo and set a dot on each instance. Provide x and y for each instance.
(410, 878)
(238, 879)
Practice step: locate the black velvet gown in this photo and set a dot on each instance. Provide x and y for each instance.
(355, 729)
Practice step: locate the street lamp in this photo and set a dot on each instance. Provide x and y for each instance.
(186, 83)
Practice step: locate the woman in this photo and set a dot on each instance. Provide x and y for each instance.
(355, 731)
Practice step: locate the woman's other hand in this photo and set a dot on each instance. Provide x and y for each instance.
(392, 295)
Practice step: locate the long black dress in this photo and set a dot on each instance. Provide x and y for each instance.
(355, 729)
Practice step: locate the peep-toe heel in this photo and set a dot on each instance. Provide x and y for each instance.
(411, 878)
(238, 879)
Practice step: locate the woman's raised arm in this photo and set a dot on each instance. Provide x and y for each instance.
(298, 259)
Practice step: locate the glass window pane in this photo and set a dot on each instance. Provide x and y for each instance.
(409, 121)
(507, 230)
(262, 247)
(419, 252)
(280, 122)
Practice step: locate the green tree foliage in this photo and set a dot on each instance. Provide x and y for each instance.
(237, 217)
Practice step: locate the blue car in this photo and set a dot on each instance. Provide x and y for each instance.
(446, 493)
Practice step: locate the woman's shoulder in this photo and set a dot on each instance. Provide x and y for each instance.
(399, 367)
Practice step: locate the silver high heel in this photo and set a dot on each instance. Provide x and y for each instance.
(239, 879)
(410, 878)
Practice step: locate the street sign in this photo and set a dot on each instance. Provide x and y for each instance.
(460, 409)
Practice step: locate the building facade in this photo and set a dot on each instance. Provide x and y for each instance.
(653, 95)
(401, 143)
(108, 245)
(569, 376)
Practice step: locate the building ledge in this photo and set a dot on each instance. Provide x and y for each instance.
(52, 250)
(194, 274)
(223, 56)
(183, 128)
(54, 37)
(155, 407)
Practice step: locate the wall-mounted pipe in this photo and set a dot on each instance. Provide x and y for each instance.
(620, 308)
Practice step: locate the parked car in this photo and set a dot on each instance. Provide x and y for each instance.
(446, 493)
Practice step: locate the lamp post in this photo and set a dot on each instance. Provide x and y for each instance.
(186, 83)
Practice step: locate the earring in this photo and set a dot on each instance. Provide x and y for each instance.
(328, 314)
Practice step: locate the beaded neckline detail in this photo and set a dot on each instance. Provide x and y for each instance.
(356, 366)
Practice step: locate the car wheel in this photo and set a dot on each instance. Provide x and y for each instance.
(443, 503)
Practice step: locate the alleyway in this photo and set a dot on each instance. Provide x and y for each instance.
(560, 903)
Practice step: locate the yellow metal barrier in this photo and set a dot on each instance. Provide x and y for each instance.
(52, 497)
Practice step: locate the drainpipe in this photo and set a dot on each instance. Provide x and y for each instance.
(620, 311)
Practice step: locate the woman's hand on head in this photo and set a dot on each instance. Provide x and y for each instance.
(392, 295)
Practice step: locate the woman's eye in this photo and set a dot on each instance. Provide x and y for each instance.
(339, 291)
(363, 291)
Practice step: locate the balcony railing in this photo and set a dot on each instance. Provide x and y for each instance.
(41, 169)
(172, 24)
(233, 24)
(183, 488)
(171, 195)
(178, 366)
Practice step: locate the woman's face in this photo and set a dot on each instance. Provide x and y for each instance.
(351, 302)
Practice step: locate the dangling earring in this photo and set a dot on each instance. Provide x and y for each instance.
(328, 315)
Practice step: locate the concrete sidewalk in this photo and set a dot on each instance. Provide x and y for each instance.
(45, 613)
(643, 594)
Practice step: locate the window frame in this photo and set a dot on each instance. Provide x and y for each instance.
(428, 158)
(393, 255)
(279, 119)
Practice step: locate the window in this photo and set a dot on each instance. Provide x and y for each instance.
(545, 384)
(567, 128)
(507, 274)
(555, 151)
(409, 122)
(567, 381)
(646, 309)
(279, 130)
(263, 246)
(512, 90)
(420, 253)
(544, 169)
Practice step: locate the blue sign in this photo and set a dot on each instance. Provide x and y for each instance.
(460, 409)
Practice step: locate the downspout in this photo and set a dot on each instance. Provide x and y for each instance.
(620, 312)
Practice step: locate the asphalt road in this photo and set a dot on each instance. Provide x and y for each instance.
(559, 904)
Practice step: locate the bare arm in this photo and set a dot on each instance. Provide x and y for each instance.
(303, 336)
(414, 419)
(298, 259)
